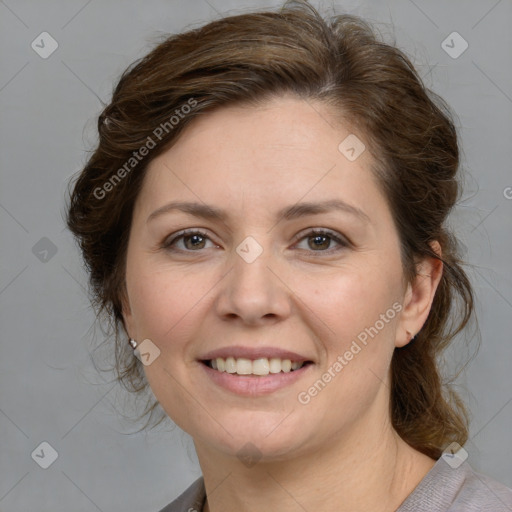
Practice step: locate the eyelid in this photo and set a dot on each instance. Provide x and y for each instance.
(174, 237)
(342, 241)
(321, 231)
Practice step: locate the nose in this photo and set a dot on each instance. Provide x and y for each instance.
(253, 292)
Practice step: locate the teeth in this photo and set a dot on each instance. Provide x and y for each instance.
(243, 366)
(275, 365)
(260, 367)
(263, 366)
(231, 365)
(286, 365)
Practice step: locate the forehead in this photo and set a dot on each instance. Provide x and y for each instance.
(262, 156)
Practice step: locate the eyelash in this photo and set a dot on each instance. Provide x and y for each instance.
(168, 245)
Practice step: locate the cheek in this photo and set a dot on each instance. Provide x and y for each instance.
(353, 300)
(167, 306)
(359, 308)
(164, 300)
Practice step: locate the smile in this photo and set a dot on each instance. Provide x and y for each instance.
(261, 367)
(274, 374)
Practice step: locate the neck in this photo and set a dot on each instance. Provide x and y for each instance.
(349, 472)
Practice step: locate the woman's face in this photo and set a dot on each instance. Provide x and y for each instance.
(301, 257)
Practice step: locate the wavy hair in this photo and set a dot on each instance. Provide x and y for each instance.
(369, 84)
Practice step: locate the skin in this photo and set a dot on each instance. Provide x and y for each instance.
(339, 451)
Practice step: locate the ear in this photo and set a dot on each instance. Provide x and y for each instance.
(419, 296)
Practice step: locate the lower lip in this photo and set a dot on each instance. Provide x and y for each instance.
(254, 385)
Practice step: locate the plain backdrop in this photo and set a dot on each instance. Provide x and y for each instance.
(49, 389)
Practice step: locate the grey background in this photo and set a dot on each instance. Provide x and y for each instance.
(49, 390)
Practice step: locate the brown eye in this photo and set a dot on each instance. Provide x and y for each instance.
(319, 242)
(195, 241)
(187, 241)
(322, 241)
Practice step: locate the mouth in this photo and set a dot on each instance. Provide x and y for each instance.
(260, 367)
(254, 371)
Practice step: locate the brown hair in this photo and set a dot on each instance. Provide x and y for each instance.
(369, 84)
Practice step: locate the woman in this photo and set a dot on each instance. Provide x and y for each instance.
(264, 221)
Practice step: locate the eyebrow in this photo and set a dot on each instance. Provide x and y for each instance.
(295, 211)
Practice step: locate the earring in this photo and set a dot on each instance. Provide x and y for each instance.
(134, 345)
(410, 337)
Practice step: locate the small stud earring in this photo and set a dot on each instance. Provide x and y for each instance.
(133, 344)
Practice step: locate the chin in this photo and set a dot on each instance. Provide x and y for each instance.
(265, 437)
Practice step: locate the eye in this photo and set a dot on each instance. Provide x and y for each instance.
(320, 240)
(191, 240)
(194, 240)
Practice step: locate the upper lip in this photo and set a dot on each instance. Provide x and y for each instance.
(238, 351)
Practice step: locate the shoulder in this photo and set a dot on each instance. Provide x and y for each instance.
(457, 489)
(483, 494)
(191, 500)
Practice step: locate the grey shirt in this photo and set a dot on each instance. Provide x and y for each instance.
(443, 489)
